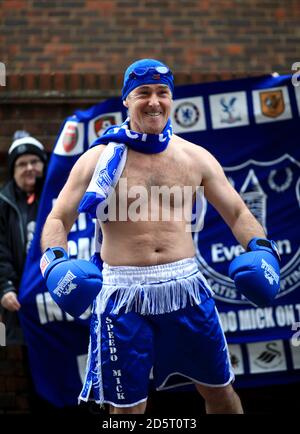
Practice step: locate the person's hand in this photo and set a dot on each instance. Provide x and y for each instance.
(256, 273)
(10, 302)
(73, 283)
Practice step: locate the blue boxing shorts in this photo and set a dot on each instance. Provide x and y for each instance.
(161, 317)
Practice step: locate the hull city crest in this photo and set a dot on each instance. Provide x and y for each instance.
(272, 103)
(271, 190)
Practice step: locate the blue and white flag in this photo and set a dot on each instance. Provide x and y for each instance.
(251, 126)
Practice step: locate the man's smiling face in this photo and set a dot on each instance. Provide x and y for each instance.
(149, 108)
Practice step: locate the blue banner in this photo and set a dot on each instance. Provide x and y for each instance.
(251, 126)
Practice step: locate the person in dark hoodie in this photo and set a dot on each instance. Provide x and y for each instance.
(18, 210)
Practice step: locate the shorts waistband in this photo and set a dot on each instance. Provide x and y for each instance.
(154, 289)
(128, 275)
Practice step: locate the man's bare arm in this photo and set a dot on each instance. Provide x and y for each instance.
(220, 193)
(64, 213)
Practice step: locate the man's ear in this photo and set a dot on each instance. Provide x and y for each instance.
(125, 103)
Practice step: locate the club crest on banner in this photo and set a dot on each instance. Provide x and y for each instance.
(271, 105)
(188, 115)
(229, 110)
(71, 139)
(236, 359)
(266, 357)
(264, 187)
(99, 124)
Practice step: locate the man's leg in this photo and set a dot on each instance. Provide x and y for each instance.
(135, 409)
(220, 400)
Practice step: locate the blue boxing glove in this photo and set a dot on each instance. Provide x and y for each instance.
(73, 283)
(256, 273)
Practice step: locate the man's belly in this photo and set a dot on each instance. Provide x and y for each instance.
(142, 244)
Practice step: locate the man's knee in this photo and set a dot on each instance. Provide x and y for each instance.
(220, 400)
(208, 393)
(135, 409)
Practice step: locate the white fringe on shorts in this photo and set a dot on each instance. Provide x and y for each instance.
(154, 289)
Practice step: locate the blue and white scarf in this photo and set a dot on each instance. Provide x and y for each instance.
(112, 161)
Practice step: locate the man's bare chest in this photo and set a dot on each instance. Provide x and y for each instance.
(150, 172)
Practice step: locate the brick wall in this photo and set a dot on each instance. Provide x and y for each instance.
(41, 118)
(190, 35)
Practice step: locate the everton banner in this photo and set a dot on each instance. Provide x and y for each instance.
(251, 126)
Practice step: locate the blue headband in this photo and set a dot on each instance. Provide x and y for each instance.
(146, 71)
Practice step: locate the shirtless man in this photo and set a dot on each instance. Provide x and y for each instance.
(155, 308)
